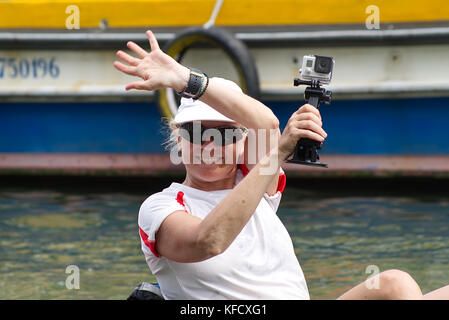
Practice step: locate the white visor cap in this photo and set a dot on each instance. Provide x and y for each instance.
(195, 110)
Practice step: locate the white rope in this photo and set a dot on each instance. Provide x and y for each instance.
(214, 14)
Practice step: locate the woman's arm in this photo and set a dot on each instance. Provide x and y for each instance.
(186, 238)
(251, 113)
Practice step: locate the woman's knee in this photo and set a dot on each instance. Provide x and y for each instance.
(397, 285)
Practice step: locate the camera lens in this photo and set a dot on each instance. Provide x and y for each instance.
(323, 64)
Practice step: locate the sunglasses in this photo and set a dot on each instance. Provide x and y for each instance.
(221, 136)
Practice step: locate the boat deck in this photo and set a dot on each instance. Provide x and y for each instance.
(160, 165)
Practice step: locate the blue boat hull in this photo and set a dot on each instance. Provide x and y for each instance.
(409, 126)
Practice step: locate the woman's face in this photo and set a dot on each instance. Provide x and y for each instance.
(210, 161)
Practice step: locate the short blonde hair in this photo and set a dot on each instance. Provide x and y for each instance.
(170, 130)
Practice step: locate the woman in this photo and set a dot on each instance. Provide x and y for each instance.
(217, 235)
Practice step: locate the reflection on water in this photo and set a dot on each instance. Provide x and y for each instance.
(41, 233)
(336, 239)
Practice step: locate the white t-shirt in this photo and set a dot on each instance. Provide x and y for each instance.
(259, 264)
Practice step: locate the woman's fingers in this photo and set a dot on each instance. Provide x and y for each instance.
(307, 120)
(127, 58)
(138, 85)
(303, 133)
(308, 116)
(124, 68)
(136, 49)
(311, 126)
(309, 108)
(152, 65)
(153, 41)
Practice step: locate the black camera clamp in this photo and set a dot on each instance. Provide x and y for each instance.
(305, 152)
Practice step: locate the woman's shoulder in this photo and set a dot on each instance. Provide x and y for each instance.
(166, 195)
(159, 204)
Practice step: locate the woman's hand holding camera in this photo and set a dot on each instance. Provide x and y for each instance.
(304, 123)
(157, 69)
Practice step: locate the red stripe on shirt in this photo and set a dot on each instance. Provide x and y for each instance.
(180, 199)
(149, 243)
(281, 182)
(244, 168)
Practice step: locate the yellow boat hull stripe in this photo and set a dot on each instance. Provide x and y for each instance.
(158, 13)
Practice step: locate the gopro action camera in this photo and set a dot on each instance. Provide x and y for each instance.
(317, 68)
(315, 71)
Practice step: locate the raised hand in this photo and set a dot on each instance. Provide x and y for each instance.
(156, 69)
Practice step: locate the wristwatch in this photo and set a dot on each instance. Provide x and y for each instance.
(196, 86)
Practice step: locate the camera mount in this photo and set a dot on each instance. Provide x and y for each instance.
(305, 152)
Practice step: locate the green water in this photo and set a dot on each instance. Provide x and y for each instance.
(336, 238)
